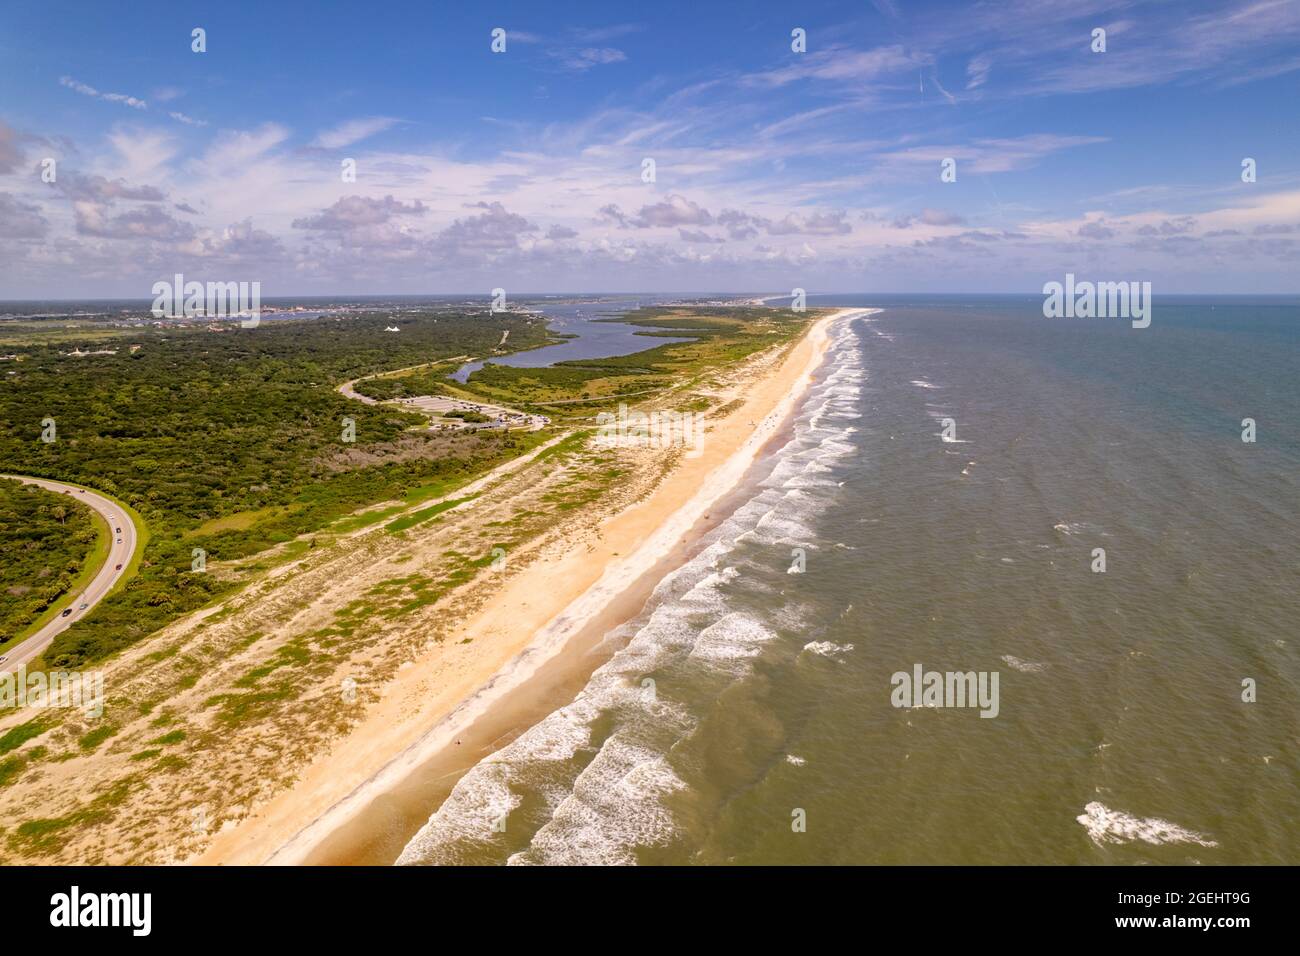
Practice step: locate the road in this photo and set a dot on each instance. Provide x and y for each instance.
(433, 405)
(121, 549)
(347, 391)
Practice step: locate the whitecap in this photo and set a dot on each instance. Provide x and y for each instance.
(1114, 826)
(827, 648)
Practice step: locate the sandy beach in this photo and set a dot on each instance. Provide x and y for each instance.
(533, 643)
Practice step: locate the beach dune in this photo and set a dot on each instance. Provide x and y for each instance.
(533, 641)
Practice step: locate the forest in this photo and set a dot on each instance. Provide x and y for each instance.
(46, 539)
(232, 441)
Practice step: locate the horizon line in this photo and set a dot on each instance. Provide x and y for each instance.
(468, 295)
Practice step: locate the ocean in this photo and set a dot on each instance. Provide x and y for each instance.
(937, 506)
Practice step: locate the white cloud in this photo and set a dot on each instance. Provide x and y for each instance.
(352, 131)
(86, 90)
(187, 120)
(588, 57)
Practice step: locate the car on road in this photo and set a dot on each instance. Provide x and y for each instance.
(118, 530)
(66, 612)
(119, 540)
(84, 605)
(3, 658)
(118, 568)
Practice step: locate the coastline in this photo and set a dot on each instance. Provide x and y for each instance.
(540, 634)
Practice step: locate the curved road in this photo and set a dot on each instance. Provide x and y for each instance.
(121, 548)
(535, 422)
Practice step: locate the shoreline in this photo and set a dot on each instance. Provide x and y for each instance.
(379, 782)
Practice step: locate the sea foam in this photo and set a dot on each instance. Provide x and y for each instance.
(1114, 826)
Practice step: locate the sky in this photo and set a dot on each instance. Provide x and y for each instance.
(774, 168)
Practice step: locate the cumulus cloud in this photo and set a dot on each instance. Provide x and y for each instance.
(239, 241)
(929, 217)
(739, 225)
(695, 235)
(1096, 229)
(673, 211)
(493, 231)
(1178, 226)
(352, 212)
(77, 186)
(612, 213)
(143, 222)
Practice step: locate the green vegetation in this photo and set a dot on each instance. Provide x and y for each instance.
(229, 442)
(94, 738)
(428, 381)
(17, 736)
(52, 547)
(581, 387)
(42, 835)
(424, 514)
(10, 768)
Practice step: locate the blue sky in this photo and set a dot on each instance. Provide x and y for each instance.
(774, 168)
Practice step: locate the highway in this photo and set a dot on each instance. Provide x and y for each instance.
(121, 549)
